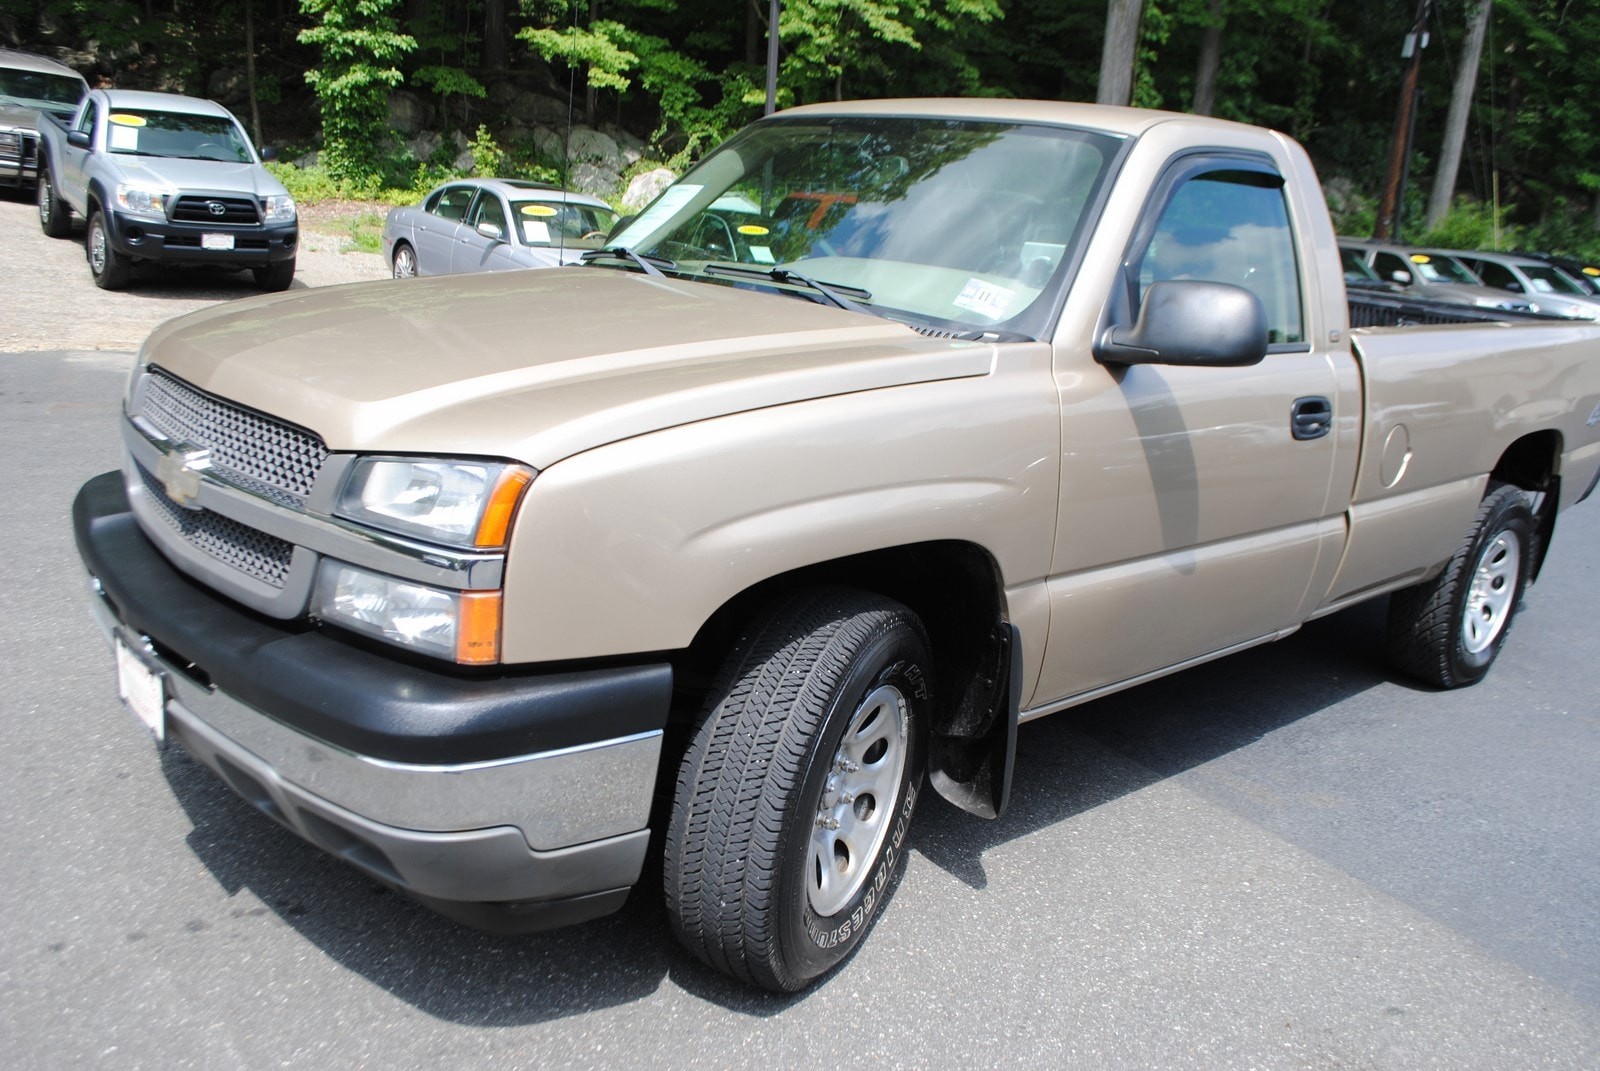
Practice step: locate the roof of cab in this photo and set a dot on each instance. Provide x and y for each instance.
(144, 100)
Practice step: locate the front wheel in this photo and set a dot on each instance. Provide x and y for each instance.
(275, 276)
(55, 218)
(793, 801)
(109, 268)
(405, 261)
(1448, 630)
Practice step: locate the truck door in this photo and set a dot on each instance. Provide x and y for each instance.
(1195, 506)
(73, 182)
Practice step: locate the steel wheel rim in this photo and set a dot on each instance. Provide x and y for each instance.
(97, 248)
(405, 265)
(46, 196)
(858, 800)
(1493, 592)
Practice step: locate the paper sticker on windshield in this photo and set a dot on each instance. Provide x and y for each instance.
(124, 137)
(642, 229)
(1592, 271)
(1419, 258)
(762, 254)
(538, 210)
(124, 119)
(535, 232)
(753, 230)
(985, 299)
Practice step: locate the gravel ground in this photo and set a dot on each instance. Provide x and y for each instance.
(49, 302)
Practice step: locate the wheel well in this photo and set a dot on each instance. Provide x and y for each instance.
(952, 586)
(1530, 463)
(956, 590)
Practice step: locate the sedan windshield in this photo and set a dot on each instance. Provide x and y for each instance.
(173, 134)
(543, 223)
(1435, 268)
(945, 223)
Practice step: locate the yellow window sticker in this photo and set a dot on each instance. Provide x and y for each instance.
(538, 210)
(1419, 258)
(1592, 272)
(124, 119)
(753, 230)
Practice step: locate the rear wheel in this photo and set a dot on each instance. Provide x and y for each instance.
(793, 802)
(275, 276)
(55, 218)
(1448, 630)
(109, 268)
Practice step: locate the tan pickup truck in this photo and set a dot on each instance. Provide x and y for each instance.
(890, 426)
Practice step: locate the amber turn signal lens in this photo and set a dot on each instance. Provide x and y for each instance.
(502, 506)
(478, 628)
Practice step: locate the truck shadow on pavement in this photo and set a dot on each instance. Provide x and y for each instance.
(1066, 765)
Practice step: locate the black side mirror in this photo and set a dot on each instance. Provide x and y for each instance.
(78, 139)
(1190, 323)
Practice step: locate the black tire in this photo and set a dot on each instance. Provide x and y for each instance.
(405, 261)
(275, 276)
(55, 215)
(1448, 630)
(750, 856)
(109, 268)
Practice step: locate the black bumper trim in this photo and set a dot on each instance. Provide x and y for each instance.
(382, 707)
(166, 242)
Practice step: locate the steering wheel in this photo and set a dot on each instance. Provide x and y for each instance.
(591, 234)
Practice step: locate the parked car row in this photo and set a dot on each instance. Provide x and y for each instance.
(1520, 283)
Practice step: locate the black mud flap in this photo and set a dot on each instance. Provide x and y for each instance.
(971, 755)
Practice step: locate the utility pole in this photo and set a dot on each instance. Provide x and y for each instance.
(1394, 180)
(772, 58)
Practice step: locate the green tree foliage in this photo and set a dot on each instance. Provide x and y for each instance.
(686, 75)
(361, 46)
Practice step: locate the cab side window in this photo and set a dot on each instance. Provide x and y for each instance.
(1386, 264)
(1231, 227)
(1495, 275)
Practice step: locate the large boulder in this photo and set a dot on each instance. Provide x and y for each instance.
(406, 114)
(424, 145)
(632, 148)
(590, 146)
(643, 189)
(593, 179)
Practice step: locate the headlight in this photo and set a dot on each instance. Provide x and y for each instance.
(462, 626)
(142, 200)
(459, 503)
(280, 208)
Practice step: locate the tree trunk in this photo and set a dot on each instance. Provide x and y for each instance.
(1455, 127)
(250, 69)
(589, 102)
(752, 33)
(1121, 48)
(1205, 74)
(495, 43)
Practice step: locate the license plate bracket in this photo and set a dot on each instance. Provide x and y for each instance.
(216, 241)
(143, 689)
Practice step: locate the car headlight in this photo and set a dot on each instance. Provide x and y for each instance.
(142, 200)
(280, 208)
(458, 503)
(462, 626)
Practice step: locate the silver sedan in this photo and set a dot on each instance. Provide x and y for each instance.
(493, 225)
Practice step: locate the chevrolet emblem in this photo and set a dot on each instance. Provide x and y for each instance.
(180, 472)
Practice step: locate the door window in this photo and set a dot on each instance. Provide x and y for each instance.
(451, 202)
(1232, 227)
(487, 209)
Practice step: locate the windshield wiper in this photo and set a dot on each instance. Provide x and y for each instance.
(650, 265)
(836, 294)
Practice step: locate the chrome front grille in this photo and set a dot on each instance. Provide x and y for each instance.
(268, 457)
(255, 554)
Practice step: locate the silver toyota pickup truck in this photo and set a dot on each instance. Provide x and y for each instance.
(166, 179)
(974, 411)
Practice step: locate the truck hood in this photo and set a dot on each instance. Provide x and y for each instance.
(1473, 295)
(213, 176)
(537, 365)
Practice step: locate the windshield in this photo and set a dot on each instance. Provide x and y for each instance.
(1435, 268)
(554, 223)
(173, 134)
(1547, 280)
(947, 223)
(56, 91)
